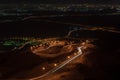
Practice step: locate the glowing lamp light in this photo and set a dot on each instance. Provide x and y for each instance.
(68, 57)
(75, 53)
(43, 68)
(83, 43)
(55, 64)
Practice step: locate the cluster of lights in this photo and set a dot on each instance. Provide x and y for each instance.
(68, 57)
(44, 68)
(33, 47)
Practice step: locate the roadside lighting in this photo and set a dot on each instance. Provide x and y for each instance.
(87, 41)
(55, 64)
(75, 53)
(43, 68)
(68, 57)
(83, 43)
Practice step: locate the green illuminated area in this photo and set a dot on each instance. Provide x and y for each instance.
(18, 43)
(13, 43)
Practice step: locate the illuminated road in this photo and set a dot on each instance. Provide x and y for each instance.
(43, 49)
(44, 55)
(61, 65)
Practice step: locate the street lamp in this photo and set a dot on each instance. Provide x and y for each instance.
(43, 68)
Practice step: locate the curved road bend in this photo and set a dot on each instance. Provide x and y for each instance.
(61, 65)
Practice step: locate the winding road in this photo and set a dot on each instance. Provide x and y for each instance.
(61, 65)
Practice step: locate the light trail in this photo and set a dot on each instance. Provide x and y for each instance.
(61, 65)
(44, 49)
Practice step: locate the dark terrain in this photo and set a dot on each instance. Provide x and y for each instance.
(102, 63)
(55, 26)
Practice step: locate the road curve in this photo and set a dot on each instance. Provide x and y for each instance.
(61, 65)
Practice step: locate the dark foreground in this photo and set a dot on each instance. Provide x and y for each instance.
(98, 63)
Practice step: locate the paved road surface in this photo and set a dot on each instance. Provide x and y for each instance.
(60, 66)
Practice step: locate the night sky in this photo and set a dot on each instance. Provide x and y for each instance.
(62, 1)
